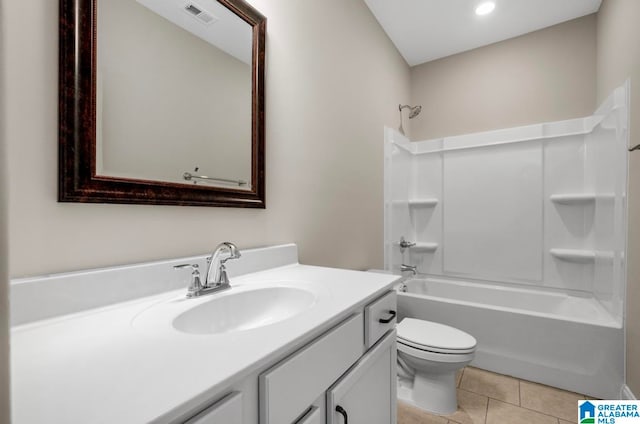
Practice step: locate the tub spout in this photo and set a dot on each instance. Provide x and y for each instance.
(409, 268)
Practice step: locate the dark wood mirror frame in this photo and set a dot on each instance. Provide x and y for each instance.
(77, 179)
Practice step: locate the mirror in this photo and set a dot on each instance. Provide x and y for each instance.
(162, 102)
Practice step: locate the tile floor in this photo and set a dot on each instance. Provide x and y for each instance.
(488, 398)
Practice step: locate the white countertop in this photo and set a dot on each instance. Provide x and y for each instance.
(96, 367)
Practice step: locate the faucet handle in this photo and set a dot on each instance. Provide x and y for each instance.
(405, 244)
(194, 267)
(195, 286)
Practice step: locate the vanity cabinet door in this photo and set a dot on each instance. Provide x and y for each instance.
(366, 394)
(227, 411)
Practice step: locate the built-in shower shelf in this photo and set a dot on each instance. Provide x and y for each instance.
(424, 247)
(579, 198)
(426, 203)
(574, 255)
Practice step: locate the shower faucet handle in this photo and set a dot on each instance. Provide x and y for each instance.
(405, 244)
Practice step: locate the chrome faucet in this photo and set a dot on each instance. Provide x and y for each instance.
(216, 264)
(216, 278)
(410, 268)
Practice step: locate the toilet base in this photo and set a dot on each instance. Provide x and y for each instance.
(433, 393)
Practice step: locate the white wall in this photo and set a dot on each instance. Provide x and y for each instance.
(333, 80)
(5, 401)
(619, 59)
(547, 75)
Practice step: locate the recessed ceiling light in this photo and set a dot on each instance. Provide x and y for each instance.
(485, 8)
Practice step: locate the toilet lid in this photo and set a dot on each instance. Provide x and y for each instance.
(431, 336)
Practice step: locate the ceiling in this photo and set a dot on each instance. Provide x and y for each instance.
(226, 31)
(425, 30)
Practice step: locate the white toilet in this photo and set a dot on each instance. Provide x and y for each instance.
(429, 354)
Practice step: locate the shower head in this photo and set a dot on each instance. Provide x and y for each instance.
(413, 110)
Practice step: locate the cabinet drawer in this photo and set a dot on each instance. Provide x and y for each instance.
(375, 315)
(288, 389)
(226, 411)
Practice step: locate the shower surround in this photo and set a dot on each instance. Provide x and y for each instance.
(519, 236)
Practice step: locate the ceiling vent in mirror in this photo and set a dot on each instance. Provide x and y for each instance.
(199, 13)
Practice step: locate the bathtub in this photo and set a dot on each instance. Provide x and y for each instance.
(557, 339)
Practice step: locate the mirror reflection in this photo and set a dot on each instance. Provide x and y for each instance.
(173, 98)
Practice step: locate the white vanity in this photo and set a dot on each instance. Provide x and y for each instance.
(288, 343)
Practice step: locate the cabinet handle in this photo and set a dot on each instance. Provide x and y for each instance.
(392, 315)
(340, 410)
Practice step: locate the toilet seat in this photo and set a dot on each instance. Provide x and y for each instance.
(434, 337)
(435, 357)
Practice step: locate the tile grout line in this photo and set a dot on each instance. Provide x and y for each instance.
(486, 412)
(520, 392)
(488, 397)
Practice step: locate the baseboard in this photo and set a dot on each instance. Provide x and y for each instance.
(627, 394)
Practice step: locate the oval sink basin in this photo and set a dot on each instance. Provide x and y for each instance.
(244, 310)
